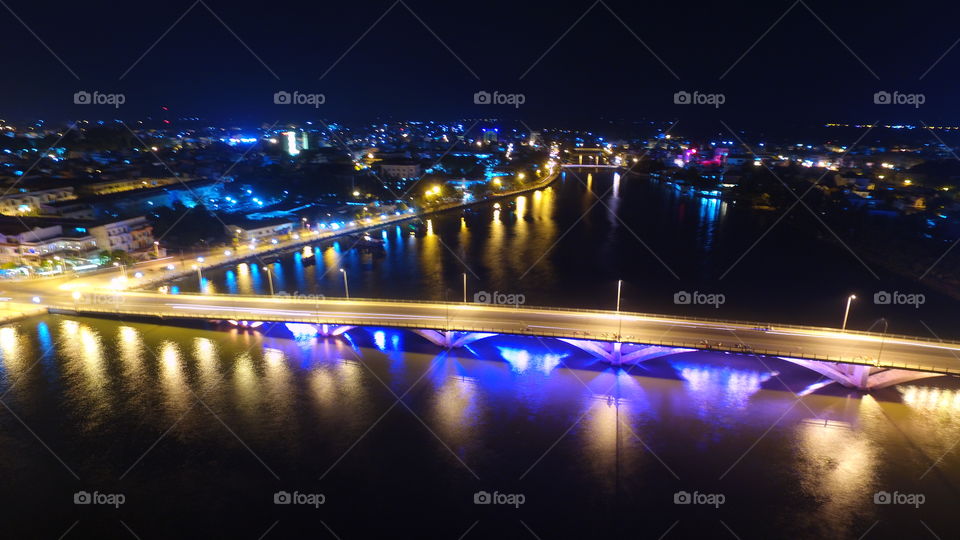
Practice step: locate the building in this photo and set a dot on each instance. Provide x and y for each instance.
(259, 230)
(32, 240)
(27, 245)
(29, 202)
(401, 169)
(133, 235)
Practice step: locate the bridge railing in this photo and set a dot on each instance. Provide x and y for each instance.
(453, 325)
(748, 325)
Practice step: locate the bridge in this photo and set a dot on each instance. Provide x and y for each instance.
(591, 158)
(862, 360)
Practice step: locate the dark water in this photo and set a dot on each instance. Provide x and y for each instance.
(198, 428)
(565, 247)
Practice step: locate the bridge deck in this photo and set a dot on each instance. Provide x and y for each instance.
(804, 342)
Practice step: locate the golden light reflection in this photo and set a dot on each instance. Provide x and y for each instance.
(172, 380)
(84, 371)
(131, 347)
(455, 408)
(930, 398)
(279, 381)
(206, 354)
(244, 281)
(339, 386)
(9, 344)
(837, 463)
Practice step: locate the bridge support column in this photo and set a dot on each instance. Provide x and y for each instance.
(617, 353)
(451, 339)
(861, 377)
(332, 330)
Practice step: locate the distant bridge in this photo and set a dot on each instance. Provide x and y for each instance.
(861, 360)
(601, 166)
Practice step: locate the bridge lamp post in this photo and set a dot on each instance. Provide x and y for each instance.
(123, 269)
(346, 283)
(619, 317)
(464, 287)
(199, 276)
(846, 312)
(269, 279)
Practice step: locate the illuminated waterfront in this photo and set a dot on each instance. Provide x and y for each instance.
(561, 247)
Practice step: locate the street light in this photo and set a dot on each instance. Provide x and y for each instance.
(619, 318)
(346, 284)
(199, 276)
(464, 287)
(269, 278)
(846, 312)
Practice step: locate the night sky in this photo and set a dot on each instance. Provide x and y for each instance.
(223, 61)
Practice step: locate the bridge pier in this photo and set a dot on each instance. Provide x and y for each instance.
(861, 377)
(617, 353)
(451, 339)
(332, 330)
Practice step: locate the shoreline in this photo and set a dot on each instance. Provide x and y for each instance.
(217, 261)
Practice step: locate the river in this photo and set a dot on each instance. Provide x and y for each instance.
(202, 428)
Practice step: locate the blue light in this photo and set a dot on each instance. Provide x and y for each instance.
(301, 330)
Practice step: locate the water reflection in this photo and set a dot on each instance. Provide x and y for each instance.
(499, 406)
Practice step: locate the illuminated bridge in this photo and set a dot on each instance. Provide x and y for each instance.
(863, 360)
(591, 158)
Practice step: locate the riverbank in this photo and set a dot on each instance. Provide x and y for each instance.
(213, 260)
(12, 312)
